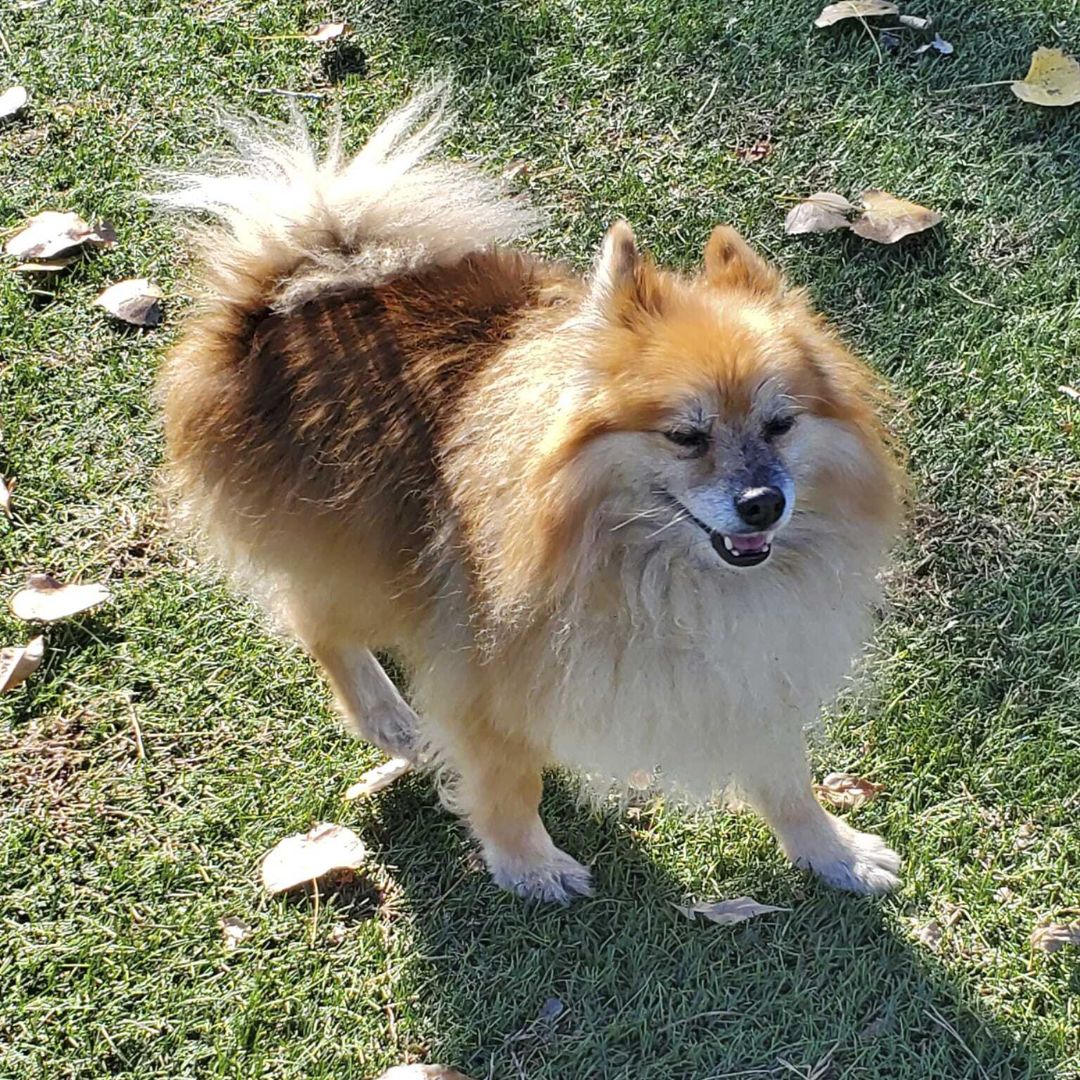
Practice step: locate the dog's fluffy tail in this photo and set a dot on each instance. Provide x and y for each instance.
(292, 226)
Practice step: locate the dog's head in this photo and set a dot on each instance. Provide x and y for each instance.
(716, 413)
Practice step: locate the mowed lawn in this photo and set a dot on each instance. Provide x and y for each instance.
(116, 868)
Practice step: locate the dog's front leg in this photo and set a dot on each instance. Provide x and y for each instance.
(812, 838)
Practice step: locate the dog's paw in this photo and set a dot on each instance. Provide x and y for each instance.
(555, 878)
(848, 859)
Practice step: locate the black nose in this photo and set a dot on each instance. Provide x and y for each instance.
(760, 507)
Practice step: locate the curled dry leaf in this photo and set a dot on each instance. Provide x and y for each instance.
(847, 791)
(12, 100)
(1052, 79)
(422, 1072)
(135, 301)
(233, 931)
(380, 777)
(854, 9)
(729, 912)
(326, 31)
(1070, 391)
(915, 22)
(306, 857)
(886, 219)
(822, 212)
(939, 44)
(19, 662)
(51, 233)
(1055, 936)
(44, 599)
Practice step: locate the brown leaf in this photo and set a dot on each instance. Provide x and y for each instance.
(51, 233)
(380, 777)
(422, 1072)
(19, 662)
(1052, 79)
(233, 931)
(854, 9)
(45, 266)
(306, 857)
(516, 169)
(929, 933)
(326, 31)
(886, 219)
(44, 599)
(135, 301)
(757, 152)
(729, 912)
(822, 212)
(12, 100)
(847, 791)
(1055, 936)
(5, 497)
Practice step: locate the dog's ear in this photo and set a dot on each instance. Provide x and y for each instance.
(730, 263)
(624, 282)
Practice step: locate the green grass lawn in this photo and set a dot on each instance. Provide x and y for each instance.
(115, 870)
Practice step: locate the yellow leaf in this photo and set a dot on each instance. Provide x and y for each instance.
(854, 9)
(1052, 79)
(886, 219)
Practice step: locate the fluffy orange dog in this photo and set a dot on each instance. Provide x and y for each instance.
(624, 523)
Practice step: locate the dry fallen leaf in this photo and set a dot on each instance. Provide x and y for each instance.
(19, 662)
(1055, 936)
(326, 31)
(11, 101)
(1052, 79)
(306, 857)
(233, 931)
(729, 912)
(135, 301)
(51, 233)
(516, 169)
(939, 44)
(854, 9)
(380, 777)
(886, 219)
(915, 22)
(5, 496)
(822, 212)
(928, 933)
(1070, 391)
(45, 266)
(847, 791)
(44, 599)
(422, 1072)
(757, 152)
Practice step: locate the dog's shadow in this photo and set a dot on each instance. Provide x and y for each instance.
(625, 985)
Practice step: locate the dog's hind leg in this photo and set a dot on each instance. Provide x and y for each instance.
(372, 704)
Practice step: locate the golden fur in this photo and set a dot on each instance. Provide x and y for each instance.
(403, 433)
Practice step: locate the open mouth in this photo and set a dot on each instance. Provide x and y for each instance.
(736, 549)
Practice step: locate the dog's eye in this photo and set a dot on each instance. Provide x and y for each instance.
(778, 425)
(689, 438)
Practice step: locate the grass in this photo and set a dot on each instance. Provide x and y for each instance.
(115, 870)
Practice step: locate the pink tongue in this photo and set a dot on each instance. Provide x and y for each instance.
(747, 544)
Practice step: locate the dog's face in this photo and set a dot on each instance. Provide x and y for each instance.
(717, 413)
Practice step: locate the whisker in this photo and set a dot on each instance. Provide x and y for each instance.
(648, 512)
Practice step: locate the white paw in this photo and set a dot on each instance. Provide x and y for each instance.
(554, 878)
(841, 856)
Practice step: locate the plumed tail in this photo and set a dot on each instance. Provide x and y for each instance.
(292, 226)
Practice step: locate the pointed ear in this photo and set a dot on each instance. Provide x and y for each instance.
(624, 281)
(731, 263)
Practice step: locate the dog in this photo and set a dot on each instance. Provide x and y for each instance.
(625, 523)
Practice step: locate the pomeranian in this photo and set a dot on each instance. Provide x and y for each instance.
(628, 524)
